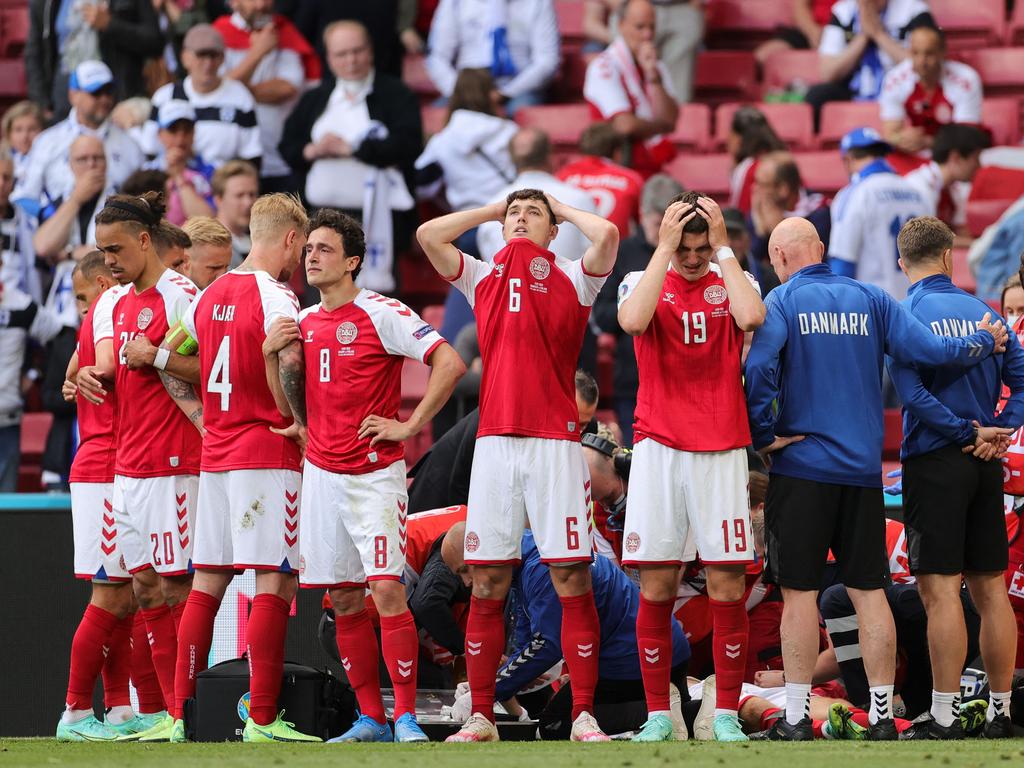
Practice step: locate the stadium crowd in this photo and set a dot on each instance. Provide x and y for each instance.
(649, 518)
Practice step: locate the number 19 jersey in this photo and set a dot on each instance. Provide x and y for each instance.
(230, 320)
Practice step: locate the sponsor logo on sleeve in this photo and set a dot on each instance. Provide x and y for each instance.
(421, 332)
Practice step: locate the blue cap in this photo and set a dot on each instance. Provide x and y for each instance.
(90, 76)
(860, 138)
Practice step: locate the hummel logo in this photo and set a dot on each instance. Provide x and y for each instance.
(404, 667)
(106, 650)
(732, 650)
(585, 650)
(345, 663)
(473, 649)
(149, 637)
(652, 655)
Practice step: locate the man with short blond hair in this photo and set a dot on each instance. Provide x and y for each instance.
(210, 252)
(235, 188)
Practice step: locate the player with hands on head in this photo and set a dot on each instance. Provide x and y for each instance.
(532, 309)
(688, 312)
(354, 501)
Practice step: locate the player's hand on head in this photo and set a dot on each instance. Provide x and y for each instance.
(556, 207)
(671, 232)
(283, 331)
(379, 429)
(139, 353)
(500, 209)
(708, 210)
(91, 386)
(996, 329)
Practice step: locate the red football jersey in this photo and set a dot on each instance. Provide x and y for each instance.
(531, 313)
(615, 188)
(354, 356)
(422, 530)
(94, 460)
(1013, 461)
(230, 320)
(155, 439)
(691, 387)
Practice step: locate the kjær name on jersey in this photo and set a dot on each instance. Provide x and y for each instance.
(225, 313)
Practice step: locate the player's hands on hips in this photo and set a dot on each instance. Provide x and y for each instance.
(712, 214)
(90, 385)
(293, 431)
(379, 429)
(996, 329)
(671, 232)
(69, 390)
(283, 331)
(139, 353)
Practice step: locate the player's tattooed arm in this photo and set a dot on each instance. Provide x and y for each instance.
(292, 373)
(184, 396)
(283, 331)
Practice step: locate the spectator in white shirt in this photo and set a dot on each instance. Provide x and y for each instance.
(926, 91)
(235, 188)
(945, 182)
(469, 156)
(862, 41)
(531, 154)
(226, 125)
(48, 172)
(267, 54)
(517, 40)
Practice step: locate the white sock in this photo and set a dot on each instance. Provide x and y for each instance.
(731, 712)
(881, 703)
(998, 704)
(118, 715)
(75, 715)
(798, 702)
(945, 707)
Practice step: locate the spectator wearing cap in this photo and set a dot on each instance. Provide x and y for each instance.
(634, 254)
(188, 191)
(267, 54)
(615, 188)
(48, 172)
(226, 125)
(516, 39)
(629, 87)
(926, 91)
(945, 181)
(778, 193)
(869, 212)
(862, 41)
(65, 33)
(361, 126)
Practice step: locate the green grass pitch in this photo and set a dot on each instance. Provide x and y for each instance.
(975, 753)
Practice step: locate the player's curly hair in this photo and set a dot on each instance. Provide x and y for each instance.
(348, 229)
(697, 225)
(531, 194)
(144, 211)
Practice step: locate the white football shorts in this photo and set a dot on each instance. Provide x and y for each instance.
(97, 554)
(155, 519)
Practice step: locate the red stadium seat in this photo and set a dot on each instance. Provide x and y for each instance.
(821, 171)
(793, 122)
(962, 275)
(414, 75)
(982, 213)
(744, 23)
(12, 79)
(839, 117)
(893, 434)
(707, 173)
(570, 20)
(1001, 69)
(563, 123)
(34, 429)
(15, 32)
(1015, 26)
(1001, 115)
(995, 183)
(433, 119)
(970, 23)
(693, 126)
(725, 76)
(434, 314)
(787, 68)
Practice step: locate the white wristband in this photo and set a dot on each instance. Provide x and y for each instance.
(162, 356)
(723, 253)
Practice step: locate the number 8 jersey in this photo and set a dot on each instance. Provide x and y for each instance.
(691, 387)
(229, 320)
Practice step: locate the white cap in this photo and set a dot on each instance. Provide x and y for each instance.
(90, 76)
(174, 110)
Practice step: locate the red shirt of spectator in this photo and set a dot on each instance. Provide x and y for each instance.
(615, 188)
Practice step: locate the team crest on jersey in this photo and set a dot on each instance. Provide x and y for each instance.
(715, 294)
(309, 335)
(347, 332)
(540, 268)
(499, 269)
(633, 542)
(472, 542)
(145, 318)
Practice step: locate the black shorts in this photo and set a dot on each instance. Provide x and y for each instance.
(805, 518)
(953, 510)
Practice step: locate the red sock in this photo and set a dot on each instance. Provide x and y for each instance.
(195, 634)
(581, 645)
(729, 648)
(357, 645)
(163, 645)
(818, 728)
(268, 625)
(654, 643)
(485, 642)
(860, 717)
(770, 715)
(177, 611)
(147, 685)
(401, 646)
(92, 635)
(117, 666)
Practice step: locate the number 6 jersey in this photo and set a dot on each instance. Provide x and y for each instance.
(691, 387)
(230, 320)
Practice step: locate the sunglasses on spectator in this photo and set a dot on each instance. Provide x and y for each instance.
(208, 53)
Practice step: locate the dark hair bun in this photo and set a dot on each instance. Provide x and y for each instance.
(157, 206)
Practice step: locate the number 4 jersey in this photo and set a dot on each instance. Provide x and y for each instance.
(230, 320)
(691, 387)
(154, 437)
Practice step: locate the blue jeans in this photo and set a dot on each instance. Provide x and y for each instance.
(10, 457)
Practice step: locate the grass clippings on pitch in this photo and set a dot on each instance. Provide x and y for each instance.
(975, 753)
